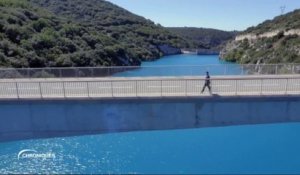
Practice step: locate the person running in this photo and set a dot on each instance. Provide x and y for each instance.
(207, 83)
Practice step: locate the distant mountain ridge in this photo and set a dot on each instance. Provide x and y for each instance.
(273, 41)
(204, 37)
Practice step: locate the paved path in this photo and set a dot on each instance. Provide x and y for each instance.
(68, 88)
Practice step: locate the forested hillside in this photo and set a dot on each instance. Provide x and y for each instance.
(43, 33)
(146, 39)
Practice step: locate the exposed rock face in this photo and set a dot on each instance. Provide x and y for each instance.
(273, 41)
(231, 45)
(270, 34)
(169, 50)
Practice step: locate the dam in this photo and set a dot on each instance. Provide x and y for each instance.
(34, 108)
(31, 119)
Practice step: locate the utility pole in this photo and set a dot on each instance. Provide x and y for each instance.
(282, 8)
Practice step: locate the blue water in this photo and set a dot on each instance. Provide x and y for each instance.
(240, 149)
(184, 65)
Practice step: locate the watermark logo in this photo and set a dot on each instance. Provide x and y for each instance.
(33, 154)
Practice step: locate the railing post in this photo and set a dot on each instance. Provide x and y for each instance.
(88, 89)
(276, 69)
(17, 89)
(41, 93)
(286, 86)
(261, 86)
(186, 91)
(136, 88)
(112, 88)
(236, 87)
(161, 88)
(64, 89)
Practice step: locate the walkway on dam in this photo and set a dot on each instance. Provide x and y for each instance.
(109, 88)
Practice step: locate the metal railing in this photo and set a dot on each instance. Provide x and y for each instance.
(135, 71)
(149, 87)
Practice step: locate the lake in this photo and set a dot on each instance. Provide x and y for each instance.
(252, 149)
(184, 65)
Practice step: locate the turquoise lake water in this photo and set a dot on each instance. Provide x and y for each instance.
(252, 149)
(239, 149)
(184, 65)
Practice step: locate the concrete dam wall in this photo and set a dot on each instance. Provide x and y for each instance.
(45, 119)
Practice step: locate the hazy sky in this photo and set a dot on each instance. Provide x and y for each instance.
(219, 14)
